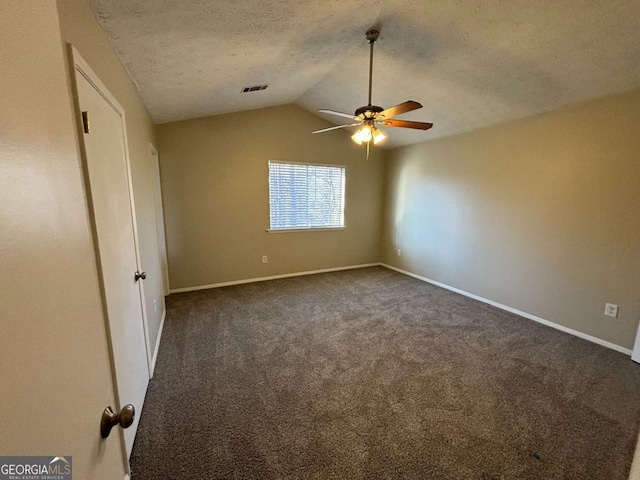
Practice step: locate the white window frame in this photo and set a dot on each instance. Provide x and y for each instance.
(309, 229)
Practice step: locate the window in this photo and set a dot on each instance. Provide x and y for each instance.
(303, 195)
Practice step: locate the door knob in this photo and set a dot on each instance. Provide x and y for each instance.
(140, 275)
(110, 419)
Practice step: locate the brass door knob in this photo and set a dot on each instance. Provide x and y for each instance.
(110, 419)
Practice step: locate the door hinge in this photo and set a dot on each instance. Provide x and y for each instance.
(86, 128)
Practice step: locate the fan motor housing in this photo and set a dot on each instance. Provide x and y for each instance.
(371, 109)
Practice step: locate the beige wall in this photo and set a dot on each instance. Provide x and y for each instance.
(214, 174)
(539, 214)
(55, 375)
(80, 28)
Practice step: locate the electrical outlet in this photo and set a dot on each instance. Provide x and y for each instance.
(611, 310)
(398, 252)
(264, 259)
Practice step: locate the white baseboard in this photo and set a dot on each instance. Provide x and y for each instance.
(155, 352)
(529, 316)
(272, 277)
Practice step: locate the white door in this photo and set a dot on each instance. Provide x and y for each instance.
(635, 356)
(162, 239)
(109, 186)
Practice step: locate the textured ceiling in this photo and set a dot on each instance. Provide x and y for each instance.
(471, 63)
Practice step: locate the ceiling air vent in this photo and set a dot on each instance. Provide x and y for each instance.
(255, 88)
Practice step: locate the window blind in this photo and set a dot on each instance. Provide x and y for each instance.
(303, 195)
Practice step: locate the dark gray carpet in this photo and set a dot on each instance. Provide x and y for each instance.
(367, 374)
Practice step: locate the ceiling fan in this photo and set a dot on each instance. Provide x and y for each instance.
(370, 116)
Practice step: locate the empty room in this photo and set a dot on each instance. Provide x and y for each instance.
(333, 240)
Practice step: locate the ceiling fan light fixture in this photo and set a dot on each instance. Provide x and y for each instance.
(378, 136)
(363, 135)
(368, 133)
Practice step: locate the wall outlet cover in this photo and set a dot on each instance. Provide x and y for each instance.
(611, 310)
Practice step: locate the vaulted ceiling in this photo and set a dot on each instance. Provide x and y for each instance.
(471, 63)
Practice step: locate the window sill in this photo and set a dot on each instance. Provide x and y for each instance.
(315, 229)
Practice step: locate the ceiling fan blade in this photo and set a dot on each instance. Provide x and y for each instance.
(406, 124)
(336, 127)
(340, 114)
(399, 109)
